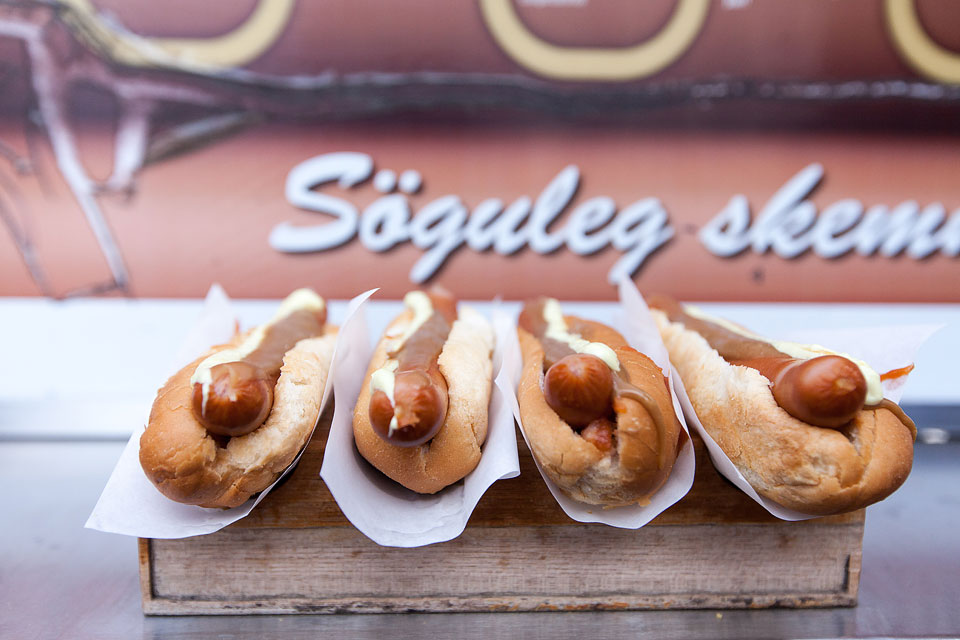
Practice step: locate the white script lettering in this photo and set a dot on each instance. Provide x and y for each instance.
(443, 225)
(788, 225)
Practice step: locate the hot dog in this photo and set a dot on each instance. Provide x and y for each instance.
(597, 413)
(421, 417)
(225, 426)
(807, 427)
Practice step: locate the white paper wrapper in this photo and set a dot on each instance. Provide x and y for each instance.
(381, 509)
(636, 325)
(130, 504)
(883, 348)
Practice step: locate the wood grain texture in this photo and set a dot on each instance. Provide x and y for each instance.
(716, 548)
(492, 604)
(335, 569)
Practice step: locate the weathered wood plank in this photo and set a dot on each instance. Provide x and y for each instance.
(591, 565)
(493, 603)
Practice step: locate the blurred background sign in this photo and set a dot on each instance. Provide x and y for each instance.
(746, 151)
(731, 150)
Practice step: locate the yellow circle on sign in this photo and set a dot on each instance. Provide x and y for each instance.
(916, 46)
(594, 63)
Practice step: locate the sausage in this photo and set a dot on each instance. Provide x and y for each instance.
(419, 405)
(825, 391)
(233, 389)
(239, 398)
(579, 388)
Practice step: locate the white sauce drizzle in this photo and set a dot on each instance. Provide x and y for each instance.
(557, 330)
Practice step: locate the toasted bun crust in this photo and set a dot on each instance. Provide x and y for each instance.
(810, 469)
(184, 462)
(643, 460)
(465, 363)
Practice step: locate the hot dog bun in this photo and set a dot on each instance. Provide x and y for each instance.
(814, 470)
(184, 461)
(643, 458)
(454, 451)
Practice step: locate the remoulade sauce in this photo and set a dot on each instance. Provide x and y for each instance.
(426, 343)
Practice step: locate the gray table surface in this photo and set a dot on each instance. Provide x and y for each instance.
(58, 580)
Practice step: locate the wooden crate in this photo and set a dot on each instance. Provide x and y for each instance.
(716, 548)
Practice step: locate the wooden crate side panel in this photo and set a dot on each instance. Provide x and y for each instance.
(678, 566)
